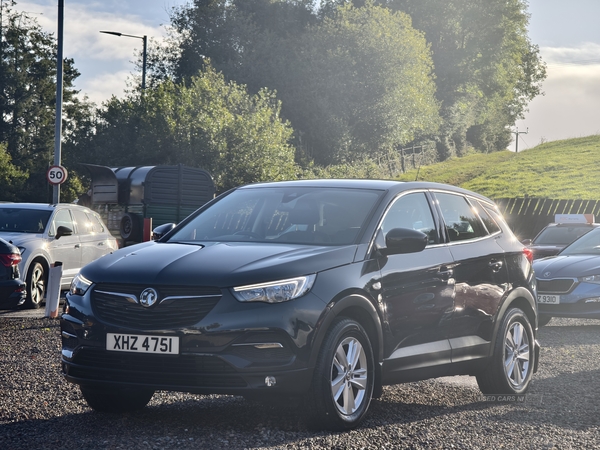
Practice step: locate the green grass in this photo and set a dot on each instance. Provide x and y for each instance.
(567, 169)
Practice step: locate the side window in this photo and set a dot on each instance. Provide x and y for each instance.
(84, 225)
(61, 218)
(411, 211)
(486, 216)
(96, 222)
(461, 220)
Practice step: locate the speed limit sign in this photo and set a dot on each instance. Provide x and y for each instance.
(56, 174)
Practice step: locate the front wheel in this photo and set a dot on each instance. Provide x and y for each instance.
(511, 367)
(36, 285)
(343, 380)
(114, 400)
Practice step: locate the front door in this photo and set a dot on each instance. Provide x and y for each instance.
(417, 292)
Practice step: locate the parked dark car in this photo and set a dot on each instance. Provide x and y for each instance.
(569, 283)
(45, 234)
(12, 288)
(320, 289)
(556, 236)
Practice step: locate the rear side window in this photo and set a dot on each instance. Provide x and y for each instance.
(462, 222)
(486, 216)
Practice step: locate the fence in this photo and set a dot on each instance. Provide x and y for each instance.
(527, 216)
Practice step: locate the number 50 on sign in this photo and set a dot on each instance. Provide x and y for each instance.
(56, 174)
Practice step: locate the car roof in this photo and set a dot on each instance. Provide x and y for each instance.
(39, 206)
(387, 185)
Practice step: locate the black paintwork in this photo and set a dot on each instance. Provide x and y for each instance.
(428, 312)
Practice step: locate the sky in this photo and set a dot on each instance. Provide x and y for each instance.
(567, 34)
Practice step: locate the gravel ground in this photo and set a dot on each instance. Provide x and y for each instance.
(39, 410)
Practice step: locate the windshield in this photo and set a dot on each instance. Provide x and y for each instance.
(587, 244)
(560, 235)
(22, 220)
(300, 215)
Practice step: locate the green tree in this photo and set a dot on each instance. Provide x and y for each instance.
(207, 122)
(28, 99)
(362, 86)
(486, 68)
(12, 179)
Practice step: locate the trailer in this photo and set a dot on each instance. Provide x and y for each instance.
(133, 199)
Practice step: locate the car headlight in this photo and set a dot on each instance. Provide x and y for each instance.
(276, 291)
(591, 279)
(79, 285)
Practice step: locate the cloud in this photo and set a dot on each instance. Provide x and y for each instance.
(570, 106)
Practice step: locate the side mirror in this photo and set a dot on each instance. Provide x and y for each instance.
(404, 240)
(63, 231)
(161, 230)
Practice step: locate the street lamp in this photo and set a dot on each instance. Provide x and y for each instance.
(143, 38)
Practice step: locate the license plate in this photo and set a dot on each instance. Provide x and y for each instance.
(142, 343)
(549, 299)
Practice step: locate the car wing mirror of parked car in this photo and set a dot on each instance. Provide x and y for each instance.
(63, 231)
(161, 230)
(402, 240)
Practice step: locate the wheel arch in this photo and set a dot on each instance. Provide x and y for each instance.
(523, 299)
(358, 307)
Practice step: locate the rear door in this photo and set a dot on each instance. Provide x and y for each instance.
(480, 274)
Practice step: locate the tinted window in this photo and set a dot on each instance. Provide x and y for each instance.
(461, 220)
(289, 215)
(411, 211)
(19, 220)
(560, 235)
(486, 216)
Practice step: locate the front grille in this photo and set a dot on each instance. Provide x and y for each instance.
(180, 312)
(556, 286)
(158, 370)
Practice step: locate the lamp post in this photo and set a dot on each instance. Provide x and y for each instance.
(145, 40)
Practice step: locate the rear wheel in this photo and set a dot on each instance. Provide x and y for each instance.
(511, 367)
(115, 400)
(343, 380)
(36, 285)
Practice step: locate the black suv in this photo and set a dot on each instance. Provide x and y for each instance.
(320, 289)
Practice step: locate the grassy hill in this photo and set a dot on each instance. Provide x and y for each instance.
(567, 169)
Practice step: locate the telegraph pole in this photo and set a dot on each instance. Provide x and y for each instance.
(517, 133)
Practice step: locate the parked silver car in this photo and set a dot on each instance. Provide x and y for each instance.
(69, 233)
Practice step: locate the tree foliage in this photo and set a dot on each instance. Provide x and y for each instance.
(206, 122)
(28, 100)
(486, 68)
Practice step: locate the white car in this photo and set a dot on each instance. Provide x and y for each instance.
(69, 233)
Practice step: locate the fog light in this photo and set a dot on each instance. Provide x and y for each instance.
(270, 381)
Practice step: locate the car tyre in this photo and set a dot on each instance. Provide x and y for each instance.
(342, 385)
(36, 285)
(513, 359)
(129, 227)
(114, 400)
